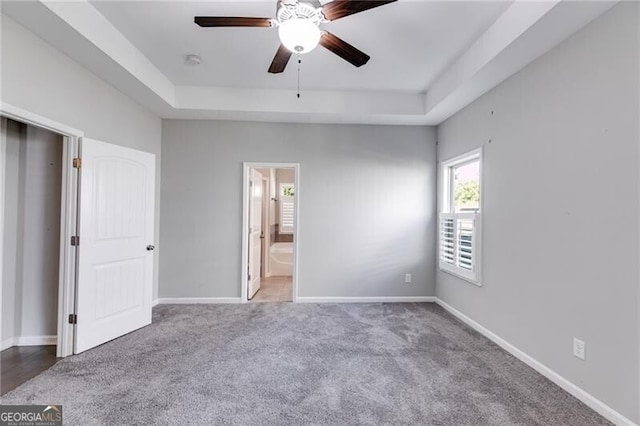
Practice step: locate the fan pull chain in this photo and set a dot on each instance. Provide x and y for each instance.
(299, 62)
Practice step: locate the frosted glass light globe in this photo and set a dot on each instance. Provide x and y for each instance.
(299, 35)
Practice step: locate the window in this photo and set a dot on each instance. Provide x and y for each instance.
(460, 216)
(287, 193)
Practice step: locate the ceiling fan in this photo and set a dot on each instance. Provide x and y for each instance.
(298, 24)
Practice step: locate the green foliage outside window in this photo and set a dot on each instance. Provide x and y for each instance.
(288, 191)
(467, 195)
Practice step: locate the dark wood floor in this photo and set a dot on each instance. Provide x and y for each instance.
(21, 363)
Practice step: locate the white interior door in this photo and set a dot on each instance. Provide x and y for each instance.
(264, 238)
(255, 232)
(115, 257)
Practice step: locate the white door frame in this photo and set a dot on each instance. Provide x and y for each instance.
(246, 168)
(68, 217)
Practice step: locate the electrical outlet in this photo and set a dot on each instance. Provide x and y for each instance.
(579, 348)
(407, 278)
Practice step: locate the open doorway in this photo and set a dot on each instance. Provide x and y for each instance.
(31, 255)
(270, 232)
(38, 212)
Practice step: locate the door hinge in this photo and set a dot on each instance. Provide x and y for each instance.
(73, 319)
(77, 163)
(249, 277)
(75, 240)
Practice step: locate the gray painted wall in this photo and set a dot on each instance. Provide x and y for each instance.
(40, 79)
(561, 208)
(366, 202)
(40, 226)
(32, 232)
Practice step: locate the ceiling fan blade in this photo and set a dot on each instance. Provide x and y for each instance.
(344, 49)
(232, 21)
(281, 60)
(340, 8)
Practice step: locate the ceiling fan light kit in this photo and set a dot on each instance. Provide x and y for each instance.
(299, 35)
(299, 28)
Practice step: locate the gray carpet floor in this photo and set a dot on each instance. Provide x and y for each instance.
(300, 364)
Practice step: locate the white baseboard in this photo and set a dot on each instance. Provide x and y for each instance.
(401, 299)
(154, 302)
(589, 400)
(29, 341)
(197, 300)
(36, 340)
(7, 343)
(215, 300)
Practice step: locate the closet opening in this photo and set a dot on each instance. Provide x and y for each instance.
(33, 174)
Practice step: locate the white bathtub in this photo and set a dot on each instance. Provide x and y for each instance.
(281, 259)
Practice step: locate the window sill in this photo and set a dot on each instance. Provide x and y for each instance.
(462, 277)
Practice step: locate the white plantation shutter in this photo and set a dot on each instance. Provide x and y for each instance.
(465, 239)
(286, 209)
(447, 238)
(286, 215)
(459, 237)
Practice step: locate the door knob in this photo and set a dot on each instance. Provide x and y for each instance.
(150, 247)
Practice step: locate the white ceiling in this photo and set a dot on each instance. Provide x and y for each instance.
(410, 43)
(429, 59)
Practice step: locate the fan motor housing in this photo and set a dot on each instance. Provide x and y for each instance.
(300, 10)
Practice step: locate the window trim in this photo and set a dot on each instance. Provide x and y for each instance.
(446, 207)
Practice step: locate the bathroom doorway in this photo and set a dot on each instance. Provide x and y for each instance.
(270, 232)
